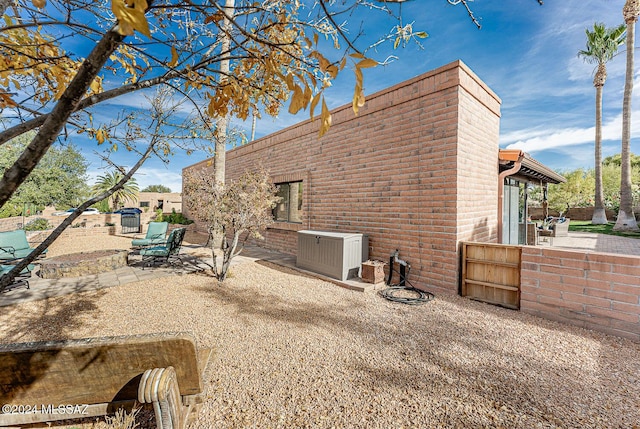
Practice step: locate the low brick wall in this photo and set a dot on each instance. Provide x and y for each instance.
(593, 290)
(86, 221)
(578, 213)
(36, 237)
(83, 263)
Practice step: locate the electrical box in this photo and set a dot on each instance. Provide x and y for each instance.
(335, 254)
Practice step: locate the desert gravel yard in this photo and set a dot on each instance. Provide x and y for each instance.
(296, 352)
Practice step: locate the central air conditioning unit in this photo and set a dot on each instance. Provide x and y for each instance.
(337, 255)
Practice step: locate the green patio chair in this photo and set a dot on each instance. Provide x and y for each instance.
(21, 280)
(14, 245)
(164, 252)
(156, 235)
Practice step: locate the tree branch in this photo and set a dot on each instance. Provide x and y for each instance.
(68, 103)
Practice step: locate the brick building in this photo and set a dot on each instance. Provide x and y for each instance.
(416, 170)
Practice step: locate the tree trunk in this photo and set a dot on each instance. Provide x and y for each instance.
(599, 215)
(220, 135)
(228, 254)
(626, 220)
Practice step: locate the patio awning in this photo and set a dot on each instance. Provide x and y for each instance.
(530, 170)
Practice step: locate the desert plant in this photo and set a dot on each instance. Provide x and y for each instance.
(237, 211)
(121, 420)
(38, 224)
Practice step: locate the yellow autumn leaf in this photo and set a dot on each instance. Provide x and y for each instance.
(216, 17)
(174, 57)
(96, 85)
(358, 100)
(289, 81)
(297, 100)
(6, 101)
(359, 77)
(323, 63)
(131, 16)
(314, 103)
(308, 94)
(333, 71)
(366, 63)
(100, 136)
(325, 119)
(39, 3)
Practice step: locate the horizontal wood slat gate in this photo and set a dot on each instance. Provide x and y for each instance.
(491, 273)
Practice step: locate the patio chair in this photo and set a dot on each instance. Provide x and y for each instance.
(557, 228)
(164, 252)
(156, 235)
(14, 245)
(21, 280)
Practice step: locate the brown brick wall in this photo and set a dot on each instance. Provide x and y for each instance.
(416, 170)
(593, 290)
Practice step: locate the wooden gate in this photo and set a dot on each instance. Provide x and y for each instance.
(491, 273)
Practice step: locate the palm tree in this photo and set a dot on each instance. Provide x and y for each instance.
(602, 45)
(129, 191)
(626, 218)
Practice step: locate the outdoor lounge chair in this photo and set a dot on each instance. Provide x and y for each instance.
(156, 235)
(21, 280)
(557, 228)
(164, 252)
(14, 245)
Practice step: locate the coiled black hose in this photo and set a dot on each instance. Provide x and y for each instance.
(420, 297)
(406, 294)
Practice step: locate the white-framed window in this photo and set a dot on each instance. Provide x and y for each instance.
(289, 209)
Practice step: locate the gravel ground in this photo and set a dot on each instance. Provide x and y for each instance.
(296, 352)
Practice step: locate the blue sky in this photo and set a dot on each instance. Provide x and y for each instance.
(526, 53)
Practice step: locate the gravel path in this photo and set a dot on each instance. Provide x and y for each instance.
(297, 352)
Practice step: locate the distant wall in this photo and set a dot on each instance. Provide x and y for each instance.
(575, 213)
(89, 221)
(153, 200)
(578, 213)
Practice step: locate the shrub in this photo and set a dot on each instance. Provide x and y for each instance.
(38, 224)
(236, 211)
(159, 216)
(176, 218)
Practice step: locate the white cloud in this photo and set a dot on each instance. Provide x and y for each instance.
(140, 100)
(534, 140)
(147, 176)
(159, 176)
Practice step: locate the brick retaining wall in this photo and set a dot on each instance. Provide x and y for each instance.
(575, 213)
(593, 290)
